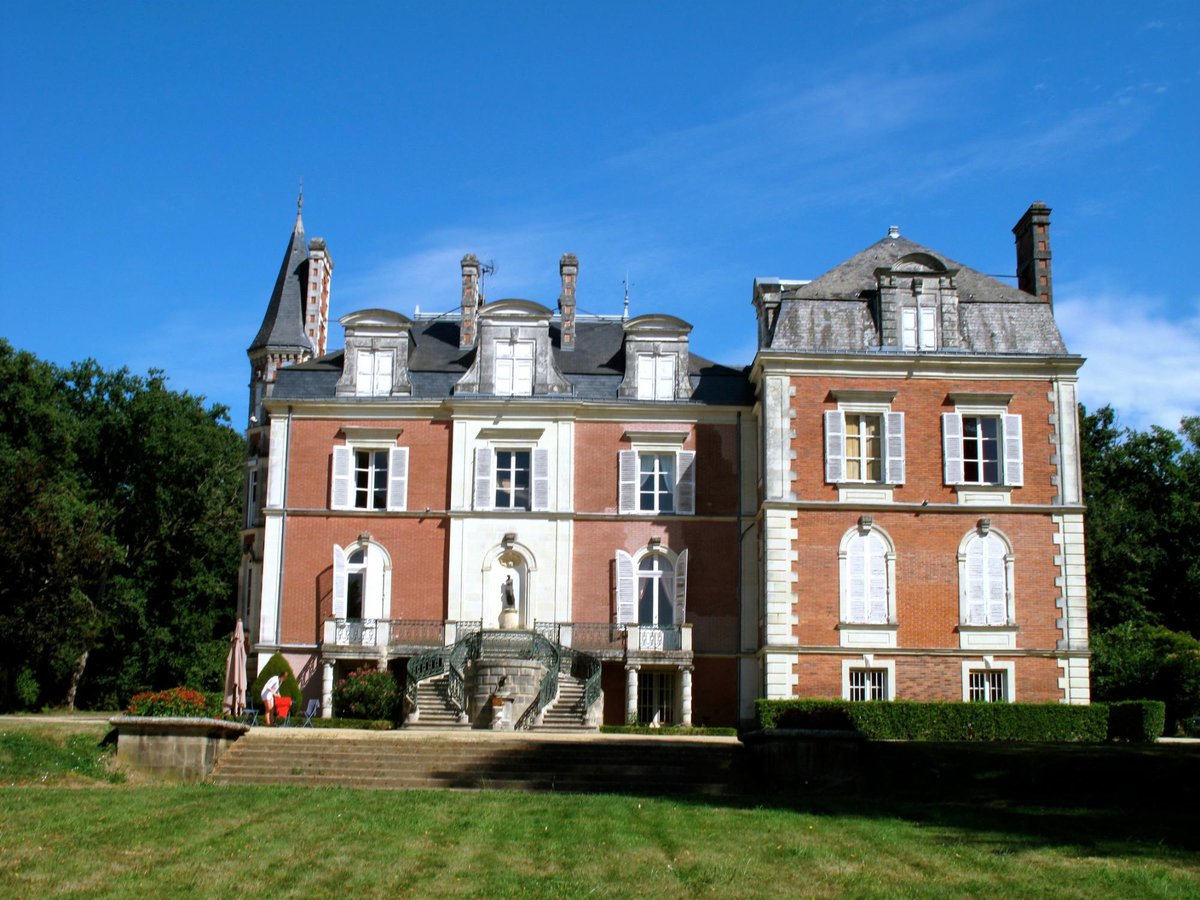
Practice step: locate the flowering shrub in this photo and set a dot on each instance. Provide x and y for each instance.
(366, 694)
(180, 701)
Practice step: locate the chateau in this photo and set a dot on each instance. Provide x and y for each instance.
(580, 516)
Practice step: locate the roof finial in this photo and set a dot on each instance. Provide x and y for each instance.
(628, 285)
(300, 198)
(894, 231)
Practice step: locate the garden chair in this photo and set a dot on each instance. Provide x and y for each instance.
(249, 716)
(309, 711)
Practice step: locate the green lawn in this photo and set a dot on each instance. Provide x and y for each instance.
(209, 841)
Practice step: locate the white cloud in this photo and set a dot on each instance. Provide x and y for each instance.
(1143, 353)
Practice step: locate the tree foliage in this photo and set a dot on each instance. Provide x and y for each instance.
(1142, 489)
(118, 533)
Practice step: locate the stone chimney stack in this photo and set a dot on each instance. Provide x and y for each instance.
(470, 301)
(568, 269)
(316, 306)
(1033, 252)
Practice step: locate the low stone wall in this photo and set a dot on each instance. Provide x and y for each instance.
(178, 748)
(791, 759)
(524, 678)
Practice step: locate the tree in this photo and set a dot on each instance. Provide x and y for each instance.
(119, 534)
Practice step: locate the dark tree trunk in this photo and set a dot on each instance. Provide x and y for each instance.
(76, 676)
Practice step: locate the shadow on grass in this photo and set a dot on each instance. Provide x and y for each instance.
(1128, 800)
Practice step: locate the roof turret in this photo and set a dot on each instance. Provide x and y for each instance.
(283, 325)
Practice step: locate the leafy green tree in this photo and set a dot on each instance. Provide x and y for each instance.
(118, 533)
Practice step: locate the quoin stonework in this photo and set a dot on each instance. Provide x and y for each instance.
(539, 518)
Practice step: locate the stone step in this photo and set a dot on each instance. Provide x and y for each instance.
(408, 761)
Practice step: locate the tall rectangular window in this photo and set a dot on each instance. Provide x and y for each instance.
(370, 479)
(512, 479)
(981, 449)
(864, 457)
(514, 368)
(988, 686)
(868, 684)
(656, 482)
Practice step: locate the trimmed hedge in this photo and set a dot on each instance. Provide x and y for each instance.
(910, 721)
(669, 731)
(1141, 721)
(179, 701)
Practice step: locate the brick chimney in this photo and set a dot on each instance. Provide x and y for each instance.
(568, 269)
(470, 301)
(1033, 252)
(316, 307)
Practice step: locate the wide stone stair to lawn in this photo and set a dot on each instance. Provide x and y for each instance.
(408, 760)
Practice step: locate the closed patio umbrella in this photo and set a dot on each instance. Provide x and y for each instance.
(235, 673)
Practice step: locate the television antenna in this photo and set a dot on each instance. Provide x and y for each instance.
(485, 269)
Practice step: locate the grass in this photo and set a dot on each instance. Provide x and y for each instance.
(926, 823)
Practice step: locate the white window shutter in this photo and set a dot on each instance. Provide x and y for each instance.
(523, 377)
(1014, 465)
(877, 611)
(908, 329)
(835, 445)
(952, 450)
(664, 377)
(681, 567)
(364, 372)
(541, 478)
(397, 496)
(627, 477)
(383, 373)
(856, 569)
(339, 582)
(343, 465)
(894, 442)
(976, 567)
(997, 592)
(685, 486)
(484, 495)
(645, 376)
(626, 590)
(928, 328)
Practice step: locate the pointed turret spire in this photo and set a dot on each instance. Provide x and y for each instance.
(283, 325)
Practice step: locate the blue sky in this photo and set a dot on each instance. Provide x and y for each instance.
(149, 172)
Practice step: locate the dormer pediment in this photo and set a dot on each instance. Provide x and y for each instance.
(375, 363)
(514, 308)
(375, 321)
(657, 327)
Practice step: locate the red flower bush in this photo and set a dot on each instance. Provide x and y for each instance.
(180, 701)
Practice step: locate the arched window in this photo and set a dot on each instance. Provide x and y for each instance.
(985, 578)
(362, 581)
(867, 562)
(652, 587)
(656, 589)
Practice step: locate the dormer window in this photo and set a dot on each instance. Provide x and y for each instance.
(655, 377)
(514, 368)
(373, 376)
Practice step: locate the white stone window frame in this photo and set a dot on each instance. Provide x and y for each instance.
(987, 636)
(867, 634)
(629, 469)
(484, 476)
(511, 385)
(341, 571)
(891, 448)
(868, 662)
(1011, 451)
(988, 664)
(343, 489)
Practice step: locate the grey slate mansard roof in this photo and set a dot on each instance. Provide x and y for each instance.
(282, 327)
(595, 367)
(837, 312)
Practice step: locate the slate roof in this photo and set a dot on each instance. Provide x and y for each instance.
(282, 327)
(837, 312)
(595, 368)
